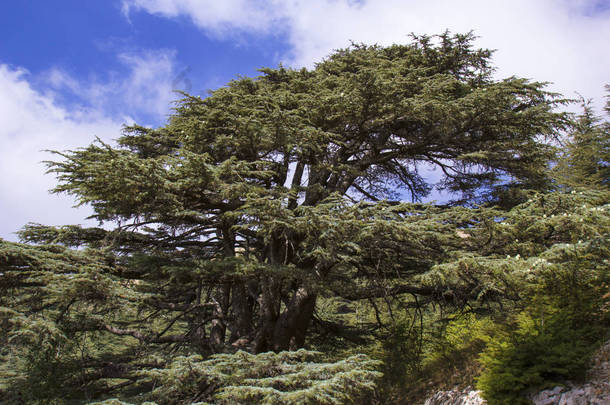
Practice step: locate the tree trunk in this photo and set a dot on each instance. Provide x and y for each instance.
(269, 303)
(291, 327)
(286, 330)
(219, 327)
(241, 328)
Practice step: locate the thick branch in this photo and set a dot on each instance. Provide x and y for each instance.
(145, 338)
(378, 292)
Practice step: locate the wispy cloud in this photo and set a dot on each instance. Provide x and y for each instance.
(218, 17)
(146, 90)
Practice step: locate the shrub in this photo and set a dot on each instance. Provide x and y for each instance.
(538, 355)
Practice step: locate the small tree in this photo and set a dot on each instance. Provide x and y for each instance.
(585, 161)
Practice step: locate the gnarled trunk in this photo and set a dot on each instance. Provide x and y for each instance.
(242, 303)
(219, 326)
(286, 330)
(291, 327)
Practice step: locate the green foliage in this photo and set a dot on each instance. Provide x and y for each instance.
(45, 293)
(461, 333)
(290, 378)
(585, 160)
(546, 259)
(506, 253)
(401, 352)
(536, 356)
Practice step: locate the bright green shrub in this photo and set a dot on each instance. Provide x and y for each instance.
(461, 333)
(538, 355)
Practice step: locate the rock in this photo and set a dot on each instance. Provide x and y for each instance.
(548, 397)
(467, 396)
(596, 391)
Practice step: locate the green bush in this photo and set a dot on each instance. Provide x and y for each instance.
(539, 355)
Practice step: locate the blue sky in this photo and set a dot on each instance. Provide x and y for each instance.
(97, 43)
(71, 70)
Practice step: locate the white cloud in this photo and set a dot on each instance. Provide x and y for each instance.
(219, 17)
(34, 120)
(562, 41)
(149, 85)
(30, 122)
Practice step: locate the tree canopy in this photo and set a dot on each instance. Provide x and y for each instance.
(260, 215)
